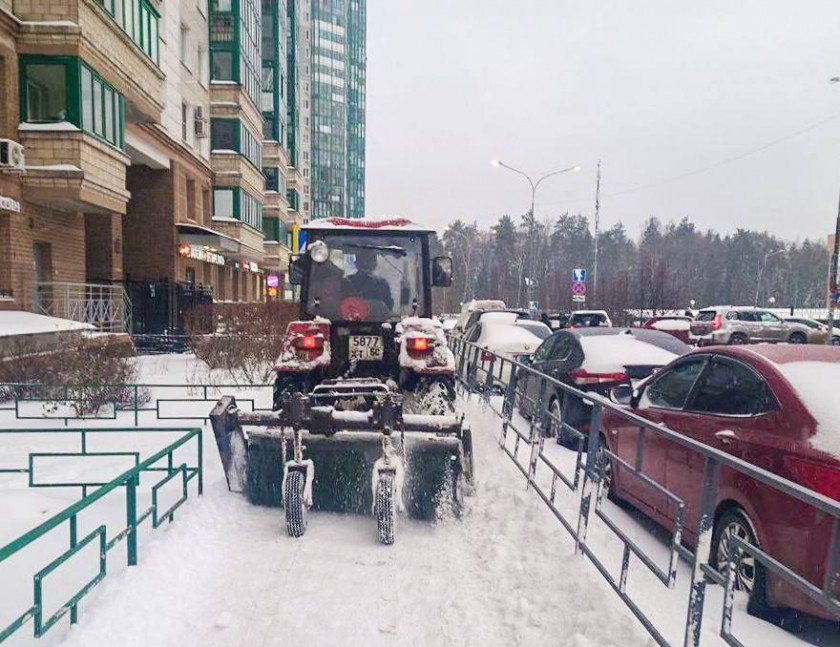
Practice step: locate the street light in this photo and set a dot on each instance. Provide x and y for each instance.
(534, 185)
(761, 272)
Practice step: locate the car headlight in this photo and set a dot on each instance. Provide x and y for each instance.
(319, 252)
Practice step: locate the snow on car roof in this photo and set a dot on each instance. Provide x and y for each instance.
(816, 384)
(787, 353)
(366, 224)
(611, 353)
(506, 334)
(19, 322)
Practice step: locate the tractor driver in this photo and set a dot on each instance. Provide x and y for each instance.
(367, 285)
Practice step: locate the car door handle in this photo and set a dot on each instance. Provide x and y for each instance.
(726, 436)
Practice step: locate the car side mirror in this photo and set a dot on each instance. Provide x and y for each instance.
(296, 268)
(623, 395)
(441, 272)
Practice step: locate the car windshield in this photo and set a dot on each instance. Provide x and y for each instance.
(588, 319)
(707, 315)
(367, 278)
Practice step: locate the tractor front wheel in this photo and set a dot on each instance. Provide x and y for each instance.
(294, 503)
(386, 508)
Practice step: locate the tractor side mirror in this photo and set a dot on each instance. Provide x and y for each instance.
(441, 272)
(296, 267)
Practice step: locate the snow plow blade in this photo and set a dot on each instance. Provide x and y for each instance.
(344, 447)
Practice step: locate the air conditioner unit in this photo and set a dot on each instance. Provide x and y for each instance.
(202, 126)
(11, 156)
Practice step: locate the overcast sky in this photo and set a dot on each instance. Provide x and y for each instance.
(654, 88)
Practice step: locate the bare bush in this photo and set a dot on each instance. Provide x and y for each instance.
(246, 340)
(82, 374)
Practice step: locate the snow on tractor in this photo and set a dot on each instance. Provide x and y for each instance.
(364, 416)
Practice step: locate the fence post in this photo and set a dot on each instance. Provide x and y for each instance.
(590, 476)
(136, 407)
(74, 610)
(131, 519)
(535, 435)
(697, 597)
(200, 462)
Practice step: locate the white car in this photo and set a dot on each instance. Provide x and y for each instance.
(589, 319)
(481, 304)
(507, 339)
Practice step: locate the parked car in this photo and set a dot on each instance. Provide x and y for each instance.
(813, 324)
(769, 405)
(498, 315)
(589, 318)
(471, 306)
(592, 359)
(449, 324)
(747, 325)
(678, 326)
(555, 320)
(506, 338)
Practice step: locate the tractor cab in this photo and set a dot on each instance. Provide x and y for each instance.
(365, 307)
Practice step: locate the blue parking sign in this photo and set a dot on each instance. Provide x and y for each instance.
(579, 275)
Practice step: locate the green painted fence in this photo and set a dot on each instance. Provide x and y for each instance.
(67, 519)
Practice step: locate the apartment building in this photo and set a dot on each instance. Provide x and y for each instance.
(338, 79)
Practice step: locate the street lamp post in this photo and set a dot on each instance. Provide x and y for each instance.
(761, 272)
(530, 282)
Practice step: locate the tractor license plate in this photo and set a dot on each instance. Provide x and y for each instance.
(364, 347)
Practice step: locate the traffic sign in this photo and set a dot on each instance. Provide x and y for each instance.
(533, 306)
(579, 275)
(579, 298)
(578, 288)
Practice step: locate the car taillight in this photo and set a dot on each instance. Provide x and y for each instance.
(581, 376)
(717, 322)
(813, 475)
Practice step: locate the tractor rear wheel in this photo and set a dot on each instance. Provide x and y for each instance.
(294, 503)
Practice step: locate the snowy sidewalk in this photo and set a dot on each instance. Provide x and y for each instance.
(226, 575)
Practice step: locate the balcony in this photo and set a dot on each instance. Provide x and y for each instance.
(71, 170)
(85, 29)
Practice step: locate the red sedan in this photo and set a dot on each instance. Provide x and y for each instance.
(677, 325)
(771, 405)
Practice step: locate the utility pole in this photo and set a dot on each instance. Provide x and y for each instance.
(597, 215)
(832, 278)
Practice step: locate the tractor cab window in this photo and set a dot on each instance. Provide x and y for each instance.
(365, 277)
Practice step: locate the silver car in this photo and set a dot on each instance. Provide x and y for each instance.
(747, 325)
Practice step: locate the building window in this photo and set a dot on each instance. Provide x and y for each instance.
(271, 174)
(138, 19)
(223, 203)
(221, 66)
(185, 115)
(184, 44)
(46, 92)
(224, 134)
(202, 65)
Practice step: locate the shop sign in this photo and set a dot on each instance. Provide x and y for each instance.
(272, 281)
(8, 204)
(200, 254)
(272, 292)
(253, 267)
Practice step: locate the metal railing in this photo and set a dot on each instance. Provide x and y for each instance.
(523, 441)
(172, 472)
(129, 403)
(105, 306)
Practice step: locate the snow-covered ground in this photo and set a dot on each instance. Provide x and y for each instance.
(225, 574)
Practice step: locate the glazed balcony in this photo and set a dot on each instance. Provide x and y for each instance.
(125, 54)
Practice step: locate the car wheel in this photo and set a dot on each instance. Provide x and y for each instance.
(835, 341)
(555, 423)
(749, 574)
(737, 339)
(605, 466)
(798, 338)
